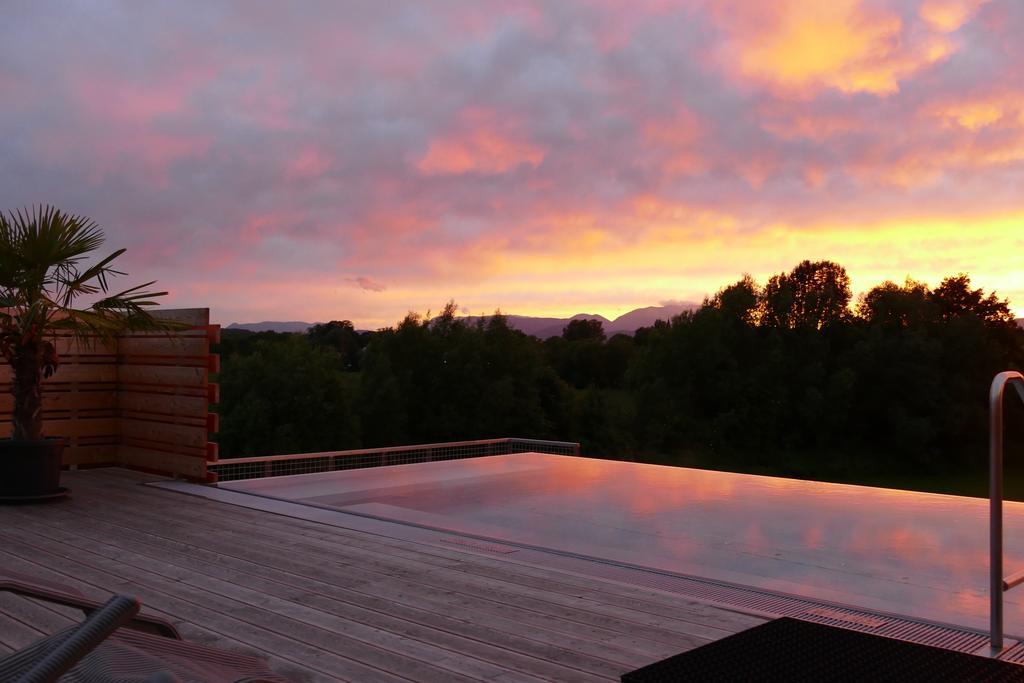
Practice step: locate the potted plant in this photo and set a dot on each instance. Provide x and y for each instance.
(43, 277)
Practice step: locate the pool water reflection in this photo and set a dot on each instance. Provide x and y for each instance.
(923, 555)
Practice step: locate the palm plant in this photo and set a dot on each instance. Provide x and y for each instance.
(43, 275)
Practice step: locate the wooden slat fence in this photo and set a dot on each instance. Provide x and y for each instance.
(142, 402)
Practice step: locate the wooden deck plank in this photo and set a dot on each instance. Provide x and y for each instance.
(437, 615)
(344, 540)
(581, 612)
(15, 634)
(444, 605)
(39, 615)
(325, 603)
(369, 553)
(160, 594)
(423, 598)
(371, 629)
(679, 607)
(628, 632)
(27, 621)
(174, 585)
(43, 624)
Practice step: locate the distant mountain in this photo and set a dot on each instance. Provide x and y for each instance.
(645, 317)
(539, 327)
(627, 323)
(271, 326)
(542, 328)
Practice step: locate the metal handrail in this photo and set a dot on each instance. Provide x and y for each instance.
(997, 583)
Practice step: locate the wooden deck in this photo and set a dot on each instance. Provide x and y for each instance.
(329, 604)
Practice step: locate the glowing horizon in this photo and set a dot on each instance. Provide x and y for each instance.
(358, 162)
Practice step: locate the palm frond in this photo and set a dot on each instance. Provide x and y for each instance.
(43, 273)
(75, 283)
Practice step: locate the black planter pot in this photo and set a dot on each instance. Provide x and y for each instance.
(30, 469)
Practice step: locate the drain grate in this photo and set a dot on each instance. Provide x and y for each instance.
(1014, 654)
(480, 545)
(847, 616)
(774, 604)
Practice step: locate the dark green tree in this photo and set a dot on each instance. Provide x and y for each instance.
(286, 396)
(583, 329)
(738, 301)
(909, 305)
(341, 336)
(956, 298)
(813, 294)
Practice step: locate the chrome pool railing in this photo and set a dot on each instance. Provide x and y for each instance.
(998, 584)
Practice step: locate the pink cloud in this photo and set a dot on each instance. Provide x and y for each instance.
(367, 283)
(308, 163)
(483, 141)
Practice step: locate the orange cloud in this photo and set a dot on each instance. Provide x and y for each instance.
(483, 143)
(922, 144)
(974, 113)
(842, 44)
(918, 166)
(688, 254)
(948, 15)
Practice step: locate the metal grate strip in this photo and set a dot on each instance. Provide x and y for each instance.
(846, 616)
(1014, 654)
(479, 545)
(740, 597)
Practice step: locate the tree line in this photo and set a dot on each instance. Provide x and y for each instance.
(791, 377)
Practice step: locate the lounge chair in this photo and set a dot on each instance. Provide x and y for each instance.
(116, 645)
(793, 650)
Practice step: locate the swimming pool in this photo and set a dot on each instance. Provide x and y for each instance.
(921, 555)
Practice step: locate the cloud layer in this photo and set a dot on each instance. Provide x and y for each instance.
(357, 160)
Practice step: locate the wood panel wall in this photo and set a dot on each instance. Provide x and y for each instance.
(142, 402)
(164, 395)
(79, 402)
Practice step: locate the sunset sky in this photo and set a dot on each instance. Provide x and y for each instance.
(315, 161)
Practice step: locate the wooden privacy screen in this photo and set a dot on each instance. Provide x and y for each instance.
(141, 403)
(164, 395)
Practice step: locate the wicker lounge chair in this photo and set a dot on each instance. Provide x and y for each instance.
(115, 645)
(792, 650)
